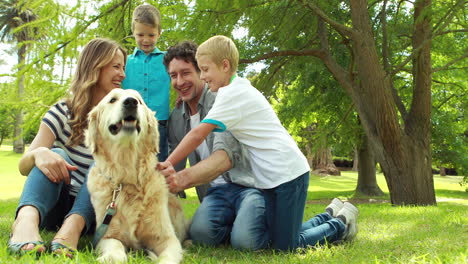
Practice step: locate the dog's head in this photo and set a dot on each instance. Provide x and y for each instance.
(122, 119)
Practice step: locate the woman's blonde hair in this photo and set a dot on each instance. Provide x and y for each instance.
(96, 54)
(220, 48)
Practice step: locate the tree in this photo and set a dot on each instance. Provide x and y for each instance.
(7, 115)
(379, 53)
(367, 181)
(15, 24)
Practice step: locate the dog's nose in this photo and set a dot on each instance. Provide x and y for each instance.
(130, 103)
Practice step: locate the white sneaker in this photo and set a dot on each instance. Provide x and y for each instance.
(349, 214)
(334, 207)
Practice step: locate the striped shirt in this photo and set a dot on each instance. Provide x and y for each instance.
(57, 120)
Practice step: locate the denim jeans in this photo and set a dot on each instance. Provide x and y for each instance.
(320, 229)
(285, 210)
(53, 200)
(163, 143)
(230, 212)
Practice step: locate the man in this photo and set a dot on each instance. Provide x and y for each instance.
(228, 212)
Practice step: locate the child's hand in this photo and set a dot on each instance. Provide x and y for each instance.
(165, 168)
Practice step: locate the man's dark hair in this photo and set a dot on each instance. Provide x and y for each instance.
(182, 51)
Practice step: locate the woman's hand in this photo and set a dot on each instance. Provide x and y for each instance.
(53, 165)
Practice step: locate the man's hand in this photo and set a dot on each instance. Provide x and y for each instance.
(171, 176)
(173, 182)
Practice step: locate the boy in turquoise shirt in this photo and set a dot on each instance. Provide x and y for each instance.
(145, 70)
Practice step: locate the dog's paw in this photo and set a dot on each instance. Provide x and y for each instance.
(114, 257)
(152, 256)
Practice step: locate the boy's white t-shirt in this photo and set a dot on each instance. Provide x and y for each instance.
(242, 110)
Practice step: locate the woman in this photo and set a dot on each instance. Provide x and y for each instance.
(57, 162)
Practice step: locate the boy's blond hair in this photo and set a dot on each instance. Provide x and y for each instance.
(148, 15)
(219, 48)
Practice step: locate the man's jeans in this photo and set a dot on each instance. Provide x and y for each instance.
(163, 144)
(53, 201)
(285, 209)
(230, 212)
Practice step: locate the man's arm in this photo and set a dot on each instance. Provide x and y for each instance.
(203, 172)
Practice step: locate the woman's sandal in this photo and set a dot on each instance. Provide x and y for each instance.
(61, 250)
(17, 248)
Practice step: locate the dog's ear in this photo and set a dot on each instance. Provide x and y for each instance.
(92, 133)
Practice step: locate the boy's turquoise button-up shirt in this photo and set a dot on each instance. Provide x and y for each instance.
(147, 75)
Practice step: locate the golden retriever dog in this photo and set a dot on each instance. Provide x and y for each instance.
(123, 136)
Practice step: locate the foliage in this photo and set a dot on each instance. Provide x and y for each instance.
(450, 99)
(7, 114)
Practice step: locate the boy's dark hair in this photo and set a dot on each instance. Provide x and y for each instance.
(185, 50)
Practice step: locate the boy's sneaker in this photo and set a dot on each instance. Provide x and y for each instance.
(348, 214)
(334, 207)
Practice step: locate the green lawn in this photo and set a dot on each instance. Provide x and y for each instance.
(387, 234)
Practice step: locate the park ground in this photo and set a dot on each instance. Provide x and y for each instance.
(387, 234)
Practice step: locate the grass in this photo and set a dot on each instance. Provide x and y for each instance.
(387, 234)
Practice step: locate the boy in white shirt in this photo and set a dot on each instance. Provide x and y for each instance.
(279, 167)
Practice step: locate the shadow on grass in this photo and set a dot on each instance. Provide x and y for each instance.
(451, 194)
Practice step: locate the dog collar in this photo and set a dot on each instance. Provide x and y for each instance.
(110, 212)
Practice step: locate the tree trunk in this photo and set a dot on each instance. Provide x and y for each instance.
(443, 171)
(355, 160)
(404, 155)
(18, 143)
(322, 162)
(367, 180)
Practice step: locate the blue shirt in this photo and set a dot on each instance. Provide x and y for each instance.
(147, 75)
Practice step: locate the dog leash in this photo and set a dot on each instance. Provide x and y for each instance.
(110, 212)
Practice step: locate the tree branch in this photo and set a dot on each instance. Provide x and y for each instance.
(342, 29)
(81, 30)
(452, 31)
(446, 66)
(386, 60)
(451, 96)
(306, 52)
(223, 12)
(445, 20)
(441, 25)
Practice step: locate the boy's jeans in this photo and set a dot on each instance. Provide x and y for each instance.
(285, 209)
(53, 200)
(230, 212)
(321, 229)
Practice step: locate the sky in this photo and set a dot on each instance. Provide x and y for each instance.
(9, 59)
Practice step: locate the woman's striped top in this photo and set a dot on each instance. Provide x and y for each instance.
(57, 120)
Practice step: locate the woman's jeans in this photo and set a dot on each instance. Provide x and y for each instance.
(234, 213)
(285, 210)
(53, 200)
